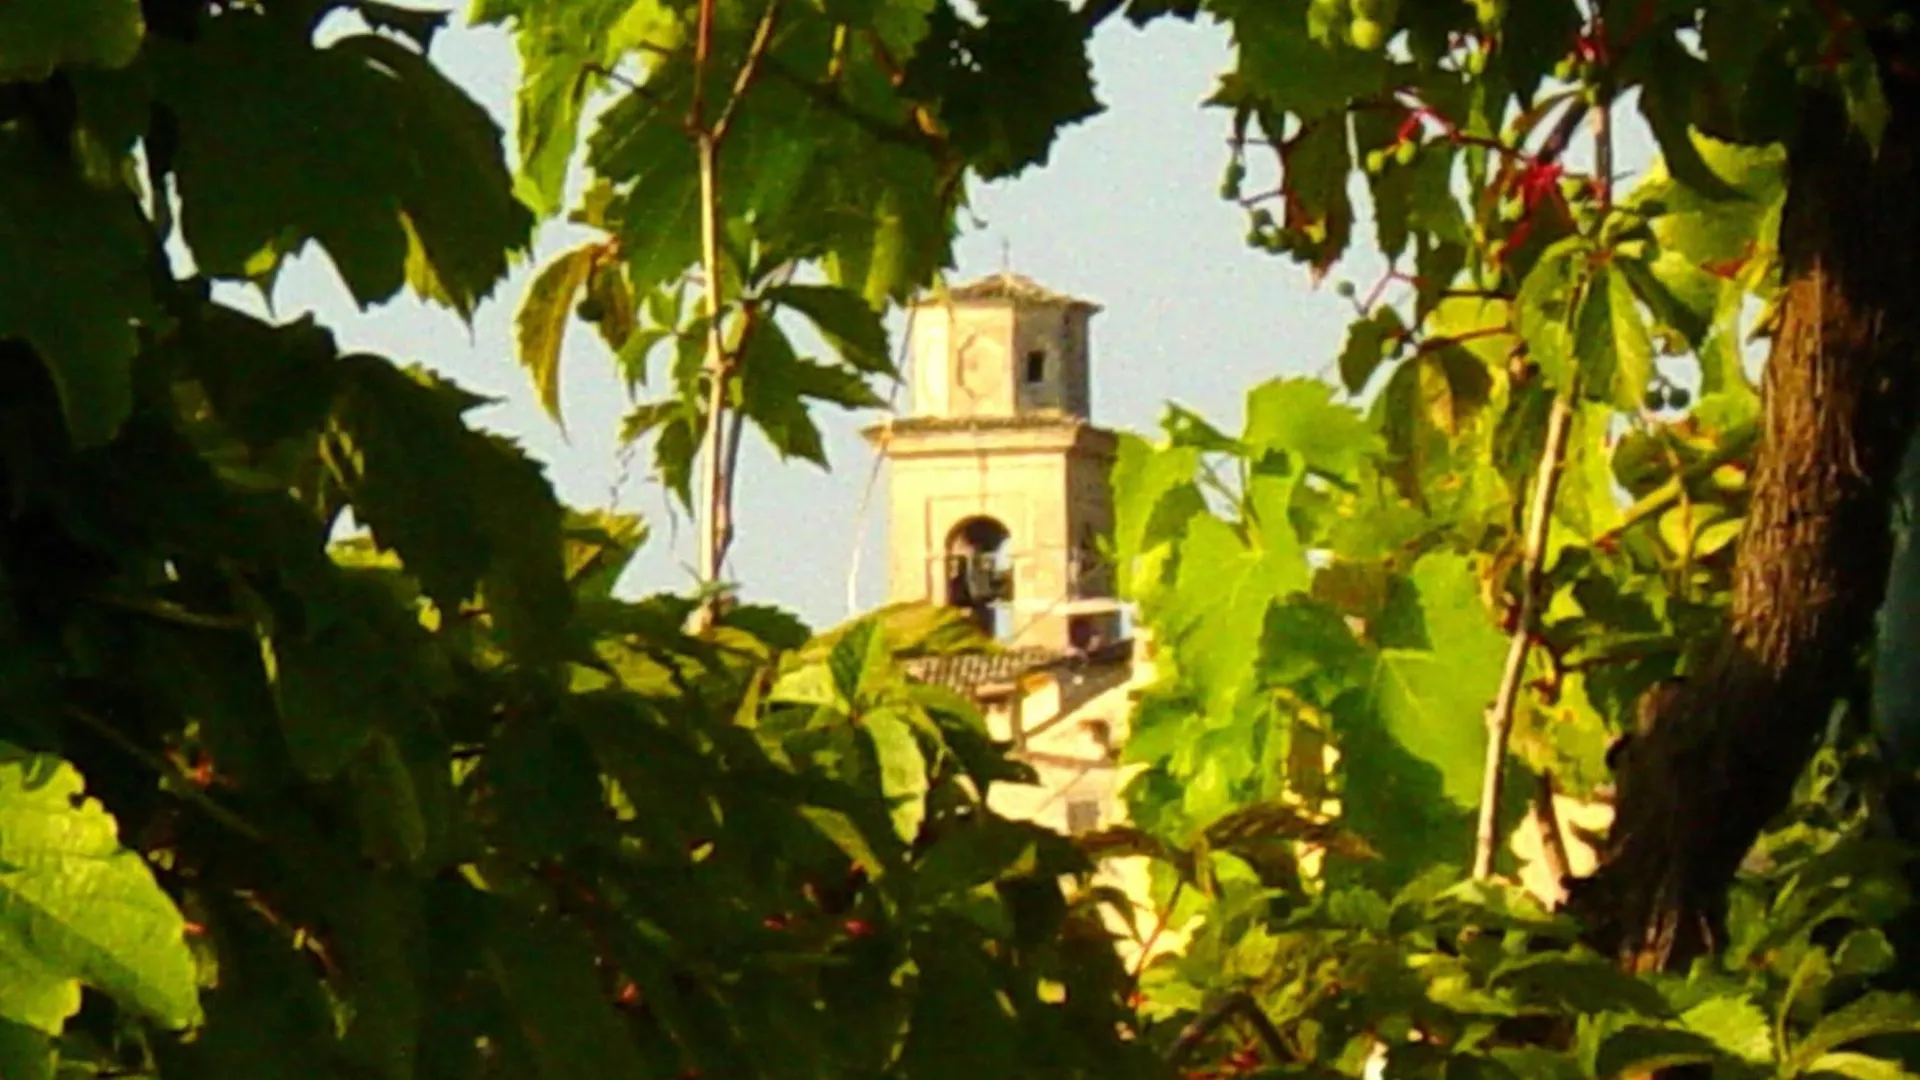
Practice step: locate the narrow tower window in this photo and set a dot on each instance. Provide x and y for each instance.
(1036, 366)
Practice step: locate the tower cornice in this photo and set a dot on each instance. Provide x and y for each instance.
(937, 436)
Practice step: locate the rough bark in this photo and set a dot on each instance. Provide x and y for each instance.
(1718, 755)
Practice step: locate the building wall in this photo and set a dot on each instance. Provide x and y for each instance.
(930, 496)
(1058, 333)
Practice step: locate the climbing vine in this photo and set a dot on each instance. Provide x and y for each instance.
(330, 749)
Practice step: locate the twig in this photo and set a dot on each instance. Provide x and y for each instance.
(1553, 842)
(182, 785)
(1208, 1022)
(1159, 927)
(1500, 717)
(823, 96)
(167, 611)
(762, 37)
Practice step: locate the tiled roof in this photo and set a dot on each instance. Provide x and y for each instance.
(973, 672)
(967, 672)
(1007, 285)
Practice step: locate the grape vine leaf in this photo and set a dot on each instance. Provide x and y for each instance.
(1225, 586)
(1611, 340)
(847, 321)
(540, 327)
(1414, 735)
(37, 36)
(1154, 497)
(77, 908)
(1006, 84)
(26, 1054)
(394, 163)
(1301, 417)
(546, 971)
(903, 769)
(73, 283)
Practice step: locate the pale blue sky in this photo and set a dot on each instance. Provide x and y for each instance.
(1126, 214)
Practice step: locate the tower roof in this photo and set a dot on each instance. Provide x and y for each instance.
(1007, 285)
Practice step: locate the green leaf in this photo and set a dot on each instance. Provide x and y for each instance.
(1369, 340)
(903, 769)
(1610, 338)
(349, 669)
(78, 909)
(1413, 735)
(1673, 78)
(541, 324)
(37, 36)
(460, 508)
(1587, 984)
(1284, 68)
(856, 660)
(1301, 417)
(1007, 83)
(1735, 1025)
(546, 971)
(423, 191)
(1222, 593)
(1866, 101)
(560, 45)
(845, 318)
(26, 1054)
(1641, 1051)
(1544, 312)
(1877, 1013)
(1855, 1067)
(1154, 498)
(74, 274)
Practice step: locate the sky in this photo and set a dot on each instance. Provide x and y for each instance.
(1125, 213)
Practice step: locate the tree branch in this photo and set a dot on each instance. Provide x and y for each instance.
(1500, 716)
(1237, 1003)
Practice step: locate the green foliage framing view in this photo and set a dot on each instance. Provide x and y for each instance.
(433, 801)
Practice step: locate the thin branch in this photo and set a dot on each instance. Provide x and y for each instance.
(1164, 916)
(756, 52)
(181, 784)
(1553, 840)
(166, 611)
(1500, 717)
(1238, 1003)
(823, 96)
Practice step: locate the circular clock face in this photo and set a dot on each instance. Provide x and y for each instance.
(981, 366)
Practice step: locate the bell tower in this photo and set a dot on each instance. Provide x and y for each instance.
(998, 479)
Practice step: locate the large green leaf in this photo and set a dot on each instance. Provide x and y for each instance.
(903, 769)
(1878, 1013)
(1154, 497)
(74, 280)
(1007, 83)
(1301, 417)
(545, 969)
(462, 509)
(38, 35)
(77, 908)
(847, 321)
(1413, 736)
(1611, 340)
(1226, 585)
(395, 169)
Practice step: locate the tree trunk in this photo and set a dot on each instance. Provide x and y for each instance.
(1717, 756)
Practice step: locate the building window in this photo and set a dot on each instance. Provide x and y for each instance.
(1036, 367)
(1083, 816)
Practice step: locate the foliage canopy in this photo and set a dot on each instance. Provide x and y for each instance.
(433, 800)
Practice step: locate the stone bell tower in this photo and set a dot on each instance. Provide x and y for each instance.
(999, 488)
